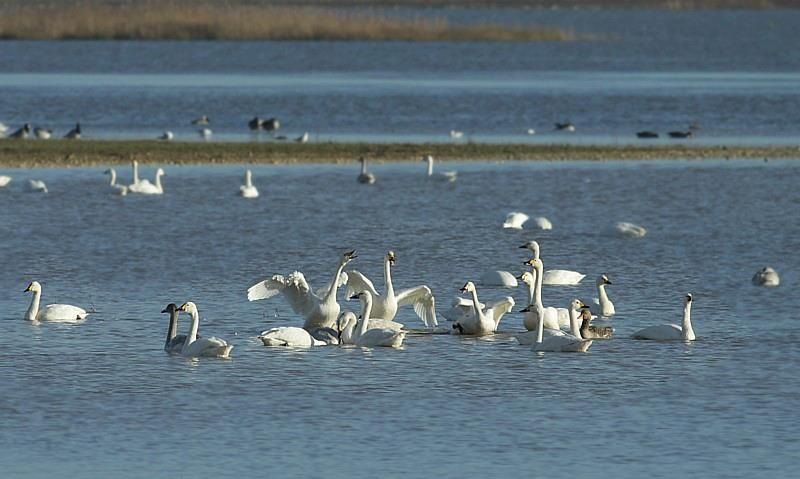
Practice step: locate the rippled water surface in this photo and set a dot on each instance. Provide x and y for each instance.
(732, 73)
(102, 399)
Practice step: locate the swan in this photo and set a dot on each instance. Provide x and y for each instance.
(196, 347)
(449, 176)
(554, 318)
(543, 223)
(201, 120)
(502, 279)
(385, 305)
(42, 133)
(365, 336)
(629, 230)
(166, 136)
(606, 306)
(515, 220)
(671, 332)
(329, 336)
(302, 138)
(37, 186)
(456, 134)
(75, 133)
(589, 331)
(255, 124)
(460, 308)
(568, 343)
(289, 336)
(3, 129)
(318, 311)
(121, 190)
(144, 187)
(555, 277)
(65, 313)
(530, 131)
(365, 177)
(766, 276)
(482, 321)
(247, 190)
(174, 342)
(23, 133)
(4, 180)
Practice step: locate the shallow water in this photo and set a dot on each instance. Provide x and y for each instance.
(641, 70)
(102, 399)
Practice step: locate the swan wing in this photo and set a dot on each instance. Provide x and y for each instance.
(381, 337)
(61, 312)
(562, 276)
(423, 301)
(661, 332)
(294, 288)
(286, 336)
(515, 220)
(564, 344)
(499, 308)
(357, 282)
(208, 348)
(528, 338)
(461, 308)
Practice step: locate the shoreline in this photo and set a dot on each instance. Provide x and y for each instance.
(87, 153)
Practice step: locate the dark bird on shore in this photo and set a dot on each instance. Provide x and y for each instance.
(568, 126)
(680, 134)
(646, 134)
(23, 133)
(203, 120)
(271, 125)
(255, 123)
(75, 133)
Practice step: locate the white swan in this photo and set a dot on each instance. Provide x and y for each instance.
(460, 308)
(42, 133)
(144, 187)
(456, 134)
(196, 347)
(4, 180)
(766, 276)
(289, 336)
(174, 342)
(365, 177)
(555, 277)
(515, 220)
(367, 337)
(606, 306)
(385, 305)
(502, 279)
(166, 136)
(37, 186)
(554, 318)
(543, 223)
(65, 313)
(449, 176)
(482, 321)
(568, 343)
(319, 311)
(630, 230)
(590, 331)
(121, 190)
(671, 332)
(248, 190)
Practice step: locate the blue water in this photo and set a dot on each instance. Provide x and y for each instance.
(733, 73)
(102, 399)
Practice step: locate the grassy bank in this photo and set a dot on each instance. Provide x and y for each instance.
(241, 21)
(66, 153)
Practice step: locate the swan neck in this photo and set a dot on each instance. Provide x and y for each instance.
(388, 288)
(135, 172)
(33, 309)
(538, 269)
(172, 331)
(248, 179)
(531, 291)
(476, 305)
(365, 312)
(686, 326)
(540, 325)
(430, 166)
(113, 177)
(601, 294)
(158, 181)
(573, 323)
(331, 295)
(363, 167)
(192, 336)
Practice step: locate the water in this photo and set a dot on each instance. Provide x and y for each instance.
(102, 399)
(639, 70)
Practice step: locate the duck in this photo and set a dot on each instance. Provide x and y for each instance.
(646, 134)
(448, 176)
(64, 313)
(365, 177)
(197, 347)
(484, 321)
(767, 277)
(681, 134)
(174, 342)
(366, 337)
(606, 306)
(385, 305)
(318, 310)
(671, 332)
(590, 331)
(567, 343)
(75, 133)
(554, 277)
(248, 190)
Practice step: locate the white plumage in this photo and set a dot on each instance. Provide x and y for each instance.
(195, 347)
(671, 332)
(65, 313)
(515, 220)
(248, 190)
(630, 230)
(481, 321)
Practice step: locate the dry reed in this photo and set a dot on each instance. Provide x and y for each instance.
(223, 21)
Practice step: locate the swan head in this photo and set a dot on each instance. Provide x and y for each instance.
(577, 305)
(468, 287)
(603, 279)
(531, 245)
(160, 172)
(108, 171)
(526, 277)
(534, 263)
(33, 287)
(361, 159)
(363, 296)
(687, 299)
(390, 257)
(428, 158)
(343, 322)
(348, 256)
(188, 307)
(171, 308)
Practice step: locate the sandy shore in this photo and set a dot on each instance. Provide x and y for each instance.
(70, 153)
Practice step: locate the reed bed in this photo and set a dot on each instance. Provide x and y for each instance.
(233, 21)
